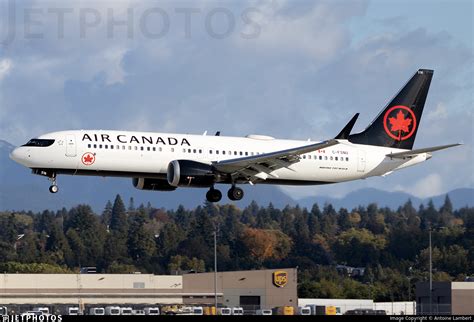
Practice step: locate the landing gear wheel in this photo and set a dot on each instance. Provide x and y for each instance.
(235, 194)
(53, 188)
(213, 195)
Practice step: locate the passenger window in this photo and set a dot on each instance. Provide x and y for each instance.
(142, 148)
(251, 153)
(184, 150)
(194, 150)
(148, 148)
(223, 152)
(325, 157)
(217, 151)
(100, 146)
(189, 150)
(200, 151)
(240, 152)
(129, 147)
(246, 153)
(95, 146)
(136, 148)
(347, 159)
(89, 146)
(336, 159)
(160, 149)
(331, 158)
(320, 157)
(154, 149)
(111, 147)
(123, 147)
(118, 147)
(210, 151)
(235, 152)
(172, 149)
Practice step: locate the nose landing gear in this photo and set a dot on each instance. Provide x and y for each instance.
(53, 188)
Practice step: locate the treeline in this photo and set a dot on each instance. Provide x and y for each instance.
(391, 245)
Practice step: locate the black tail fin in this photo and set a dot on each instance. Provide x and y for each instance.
(397, 124)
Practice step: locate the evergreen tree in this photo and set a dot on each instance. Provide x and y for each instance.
(107, 214)
(118, 221)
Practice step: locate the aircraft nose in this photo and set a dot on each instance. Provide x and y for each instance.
(15, 154)
(18, 155)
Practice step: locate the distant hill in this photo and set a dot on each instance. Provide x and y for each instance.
(20, 190)
(459, 198)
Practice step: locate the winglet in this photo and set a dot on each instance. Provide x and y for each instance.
(346, 131)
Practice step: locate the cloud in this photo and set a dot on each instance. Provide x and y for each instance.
(429, 186)
(5, 67)
(315, 30)
(303, 76)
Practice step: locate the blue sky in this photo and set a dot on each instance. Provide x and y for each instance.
(290, 69)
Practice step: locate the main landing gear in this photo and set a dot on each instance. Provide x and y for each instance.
(234, 194)
(53, 188)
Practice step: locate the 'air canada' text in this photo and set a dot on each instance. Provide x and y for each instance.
(122, 138)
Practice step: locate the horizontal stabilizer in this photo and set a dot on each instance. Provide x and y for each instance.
(419, 151)
(346, 131)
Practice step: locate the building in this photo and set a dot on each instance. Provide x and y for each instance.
(446, 298)
(248, 289)
(259, 289)
(342, 305)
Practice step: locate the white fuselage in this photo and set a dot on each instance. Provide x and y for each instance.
(147, 155)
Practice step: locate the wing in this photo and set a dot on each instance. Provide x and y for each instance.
(262, 166)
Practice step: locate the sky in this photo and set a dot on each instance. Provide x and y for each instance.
(289, 69)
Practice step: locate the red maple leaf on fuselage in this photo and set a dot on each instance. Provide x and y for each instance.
(88, 158)
(400, 123)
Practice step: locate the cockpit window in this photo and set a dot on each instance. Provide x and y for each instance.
(39, 142)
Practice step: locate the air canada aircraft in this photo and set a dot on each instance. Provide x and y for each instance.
(164, 162)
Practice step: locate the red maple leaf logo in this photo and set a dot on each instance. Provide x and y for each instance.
(88, 158)
(400, 123)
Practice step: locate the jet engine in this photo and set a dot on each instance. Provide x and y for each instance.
(187, 173)
(152, 184)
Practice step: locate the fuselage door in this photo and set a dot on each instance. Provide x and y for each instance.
(361, 161)
(70, 145)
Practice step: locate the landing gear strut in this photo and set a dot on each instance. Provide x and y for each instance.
(213, 195)
(235, 193)
(53, 188)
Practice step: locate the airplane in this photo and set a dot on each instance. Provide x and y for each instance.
(166, 161)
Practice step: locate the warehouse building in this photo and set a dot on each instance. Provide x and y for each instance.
(446, 298)
(251, 289)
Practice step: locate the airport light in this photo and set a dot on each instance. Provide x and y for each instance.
(216, 228)
(431, 276)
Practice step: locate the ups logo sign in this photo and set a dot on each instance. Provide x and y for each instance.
(280, 278)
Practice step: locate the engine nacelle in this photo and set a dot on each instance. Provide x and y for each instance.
(187, 173)
(152, 184)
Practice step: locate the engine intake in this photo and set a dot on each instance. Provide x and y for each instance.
(187, 173)
(152, 184)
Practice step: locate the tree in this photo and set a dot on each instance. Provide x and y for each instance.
(183, 263)
(264, 244)
(118, 221)
(88, 235)
(358, 247)
(169, 239)
(141, 243)
(107, 214)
